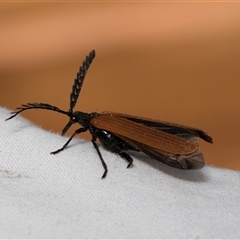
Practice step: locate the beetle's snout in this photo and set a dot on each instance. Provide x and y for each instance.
(67, 127)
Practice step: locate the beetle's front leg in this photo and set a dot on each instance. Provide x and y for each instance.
(80, 130)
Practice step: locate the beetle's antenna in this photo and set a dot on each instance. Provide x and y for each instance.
(36, 105)
(76, 88)
(74, 94)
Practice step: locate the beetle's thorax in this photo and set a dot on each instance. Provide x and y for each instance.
(82, 118)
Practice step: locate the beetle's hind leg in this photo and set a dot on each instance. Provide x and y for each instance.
(126, 157)
(116, 145)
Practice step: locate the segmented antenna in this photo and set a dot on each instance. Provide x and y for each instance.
(78, 82)
(36, 105)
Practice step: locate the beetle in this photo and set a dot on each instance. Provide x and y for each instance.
(170, 143)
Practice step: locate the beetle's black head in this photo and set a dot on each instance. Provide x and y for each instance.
(78, 117)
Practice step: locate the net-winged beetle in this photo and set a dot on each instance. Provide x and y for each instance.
(172, 144)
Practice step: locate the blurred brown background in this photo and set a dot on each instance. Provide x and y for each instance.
(173, 61)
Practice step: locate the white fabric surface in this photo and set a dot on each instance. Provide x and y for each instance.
(63, 195)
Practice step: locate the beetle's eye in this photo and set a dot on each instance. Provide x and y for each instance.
(74, 119)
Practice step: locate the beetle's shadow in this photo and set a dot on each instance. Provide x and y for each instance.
(187, 175)
(21, 127)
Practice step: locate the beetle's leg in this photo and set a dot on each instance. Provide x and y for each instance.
(101, 158)
(115, 144)
(126, 157)
(94, 132)
(80, 130)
